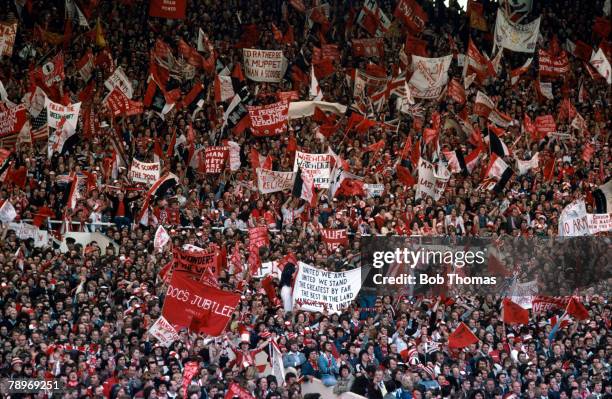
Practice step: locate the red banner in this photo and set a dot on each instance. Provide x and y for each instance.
(372, 47)
(545, 124)
(258, 237)
(236, 391)
(288, 96)
(415, 46)
(12, 120)
(214, 159)
(333, 238)
(171, 9)
(269, 120)
(199, 307)
(330, 52)
(412, 14)
(553, 66)
(196, 262)
(456, 91)
(8, 32)
(119, 104)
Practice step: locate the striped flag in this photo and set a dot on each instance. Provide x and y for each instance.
(39, 128)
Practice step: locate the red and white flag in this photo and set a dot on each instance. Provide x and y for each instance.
(515, 74)
(602, 65)
(223, 88)
(373, 19)
(161, 238)
(412, 14)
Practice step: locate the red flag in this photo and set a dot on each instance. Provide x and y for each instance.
(602, 26)
(577, 310)
(412, 14)
(379, 145)
(583, 50)
(404, 175)
(415, 46)
(549, 169)
(587, 152)
(190, 301)
(529, 127)
(278, 35)
(456, 91)
(270, 290)
(237, 72)
(513, 313)
(289, 37)
(235, 390)
(461, 337)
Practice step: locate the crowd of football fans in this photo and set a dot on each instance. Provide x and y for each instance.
(81, 314)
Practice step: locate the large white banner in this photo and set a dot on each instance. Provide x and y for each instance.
(302, 109)
(521, 38)
(119, 79)
(430, 185)
(58, 115)
(164, 332)
(144, 172)
(317, 166)
(430, 76)
(264, 65)
(573, 220)
(25, 231)
(270, 181)
(317, 290)
(599, 222)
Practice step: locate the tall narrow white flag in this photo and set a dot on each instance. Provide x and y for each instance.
(315, 89)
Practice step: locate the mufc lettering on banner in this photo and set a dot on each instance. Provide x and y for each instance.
(264, 65)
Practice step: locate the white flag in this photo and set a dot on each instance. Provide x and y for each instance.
(525, 166)
(7, 212)
(278, 369)
(315, 90)
(520, 38)
(602, 65)
(164, 332)
(120, 79)
(430, 76)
